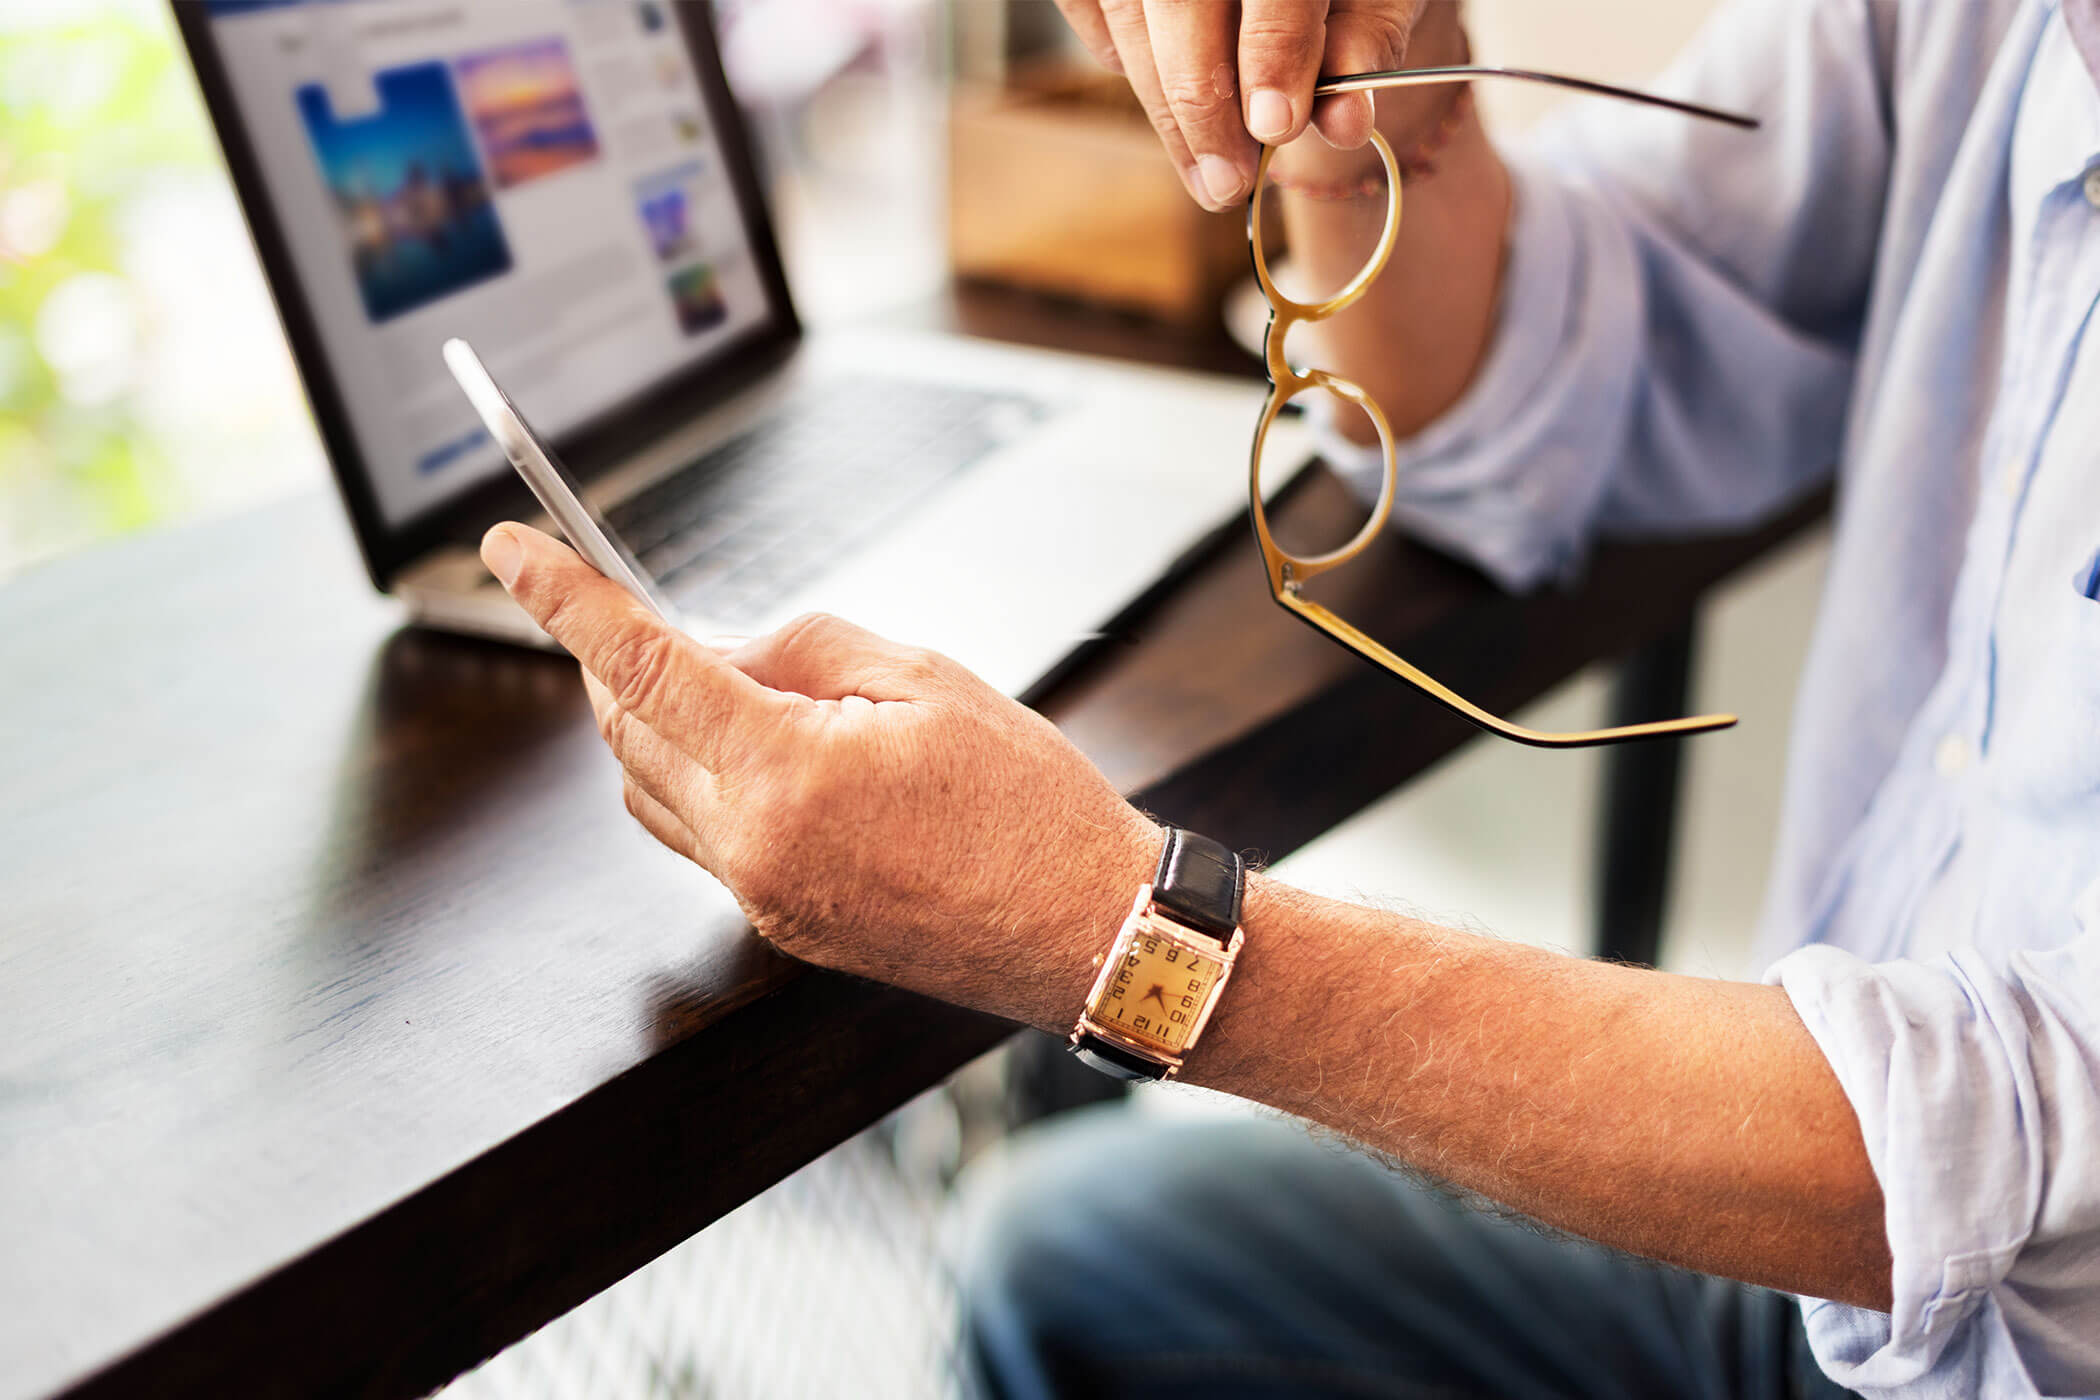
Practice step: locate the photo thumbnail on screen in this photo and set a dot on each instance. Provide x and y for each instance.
(527, 106)
(413, 200)
(670, 208)
(696, 295)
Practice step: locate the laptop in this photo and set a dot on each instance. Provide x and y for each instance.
(567, 184)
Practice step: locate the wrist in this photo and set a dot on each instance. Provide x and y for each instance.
(1415, 122)
(1367, 178)
(1106, 879)
(1157, 983)
(1298, 978)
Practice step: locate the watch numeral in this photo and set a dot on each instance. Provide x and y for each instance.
(1140, 1023)
(1177, 1017)
(1195, 984)
(1173, 955)
(1188, 1001)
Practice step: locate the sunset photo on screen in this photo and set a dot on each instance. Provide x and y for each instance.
(527, 108)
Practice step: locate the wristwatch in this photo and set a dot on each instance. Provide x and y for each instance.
(1162, 976)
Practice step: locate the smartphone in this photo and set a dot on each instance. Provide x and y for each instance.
(551, 483)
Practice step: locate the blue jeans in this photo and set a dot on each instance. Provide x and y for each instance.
(1128, 1256)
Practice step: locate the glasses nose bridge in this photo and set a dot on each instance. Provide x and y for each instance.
(1282, 320)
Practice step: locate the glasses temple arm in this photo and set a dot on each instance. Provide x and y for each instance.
(1371, 650)
(1425, 77)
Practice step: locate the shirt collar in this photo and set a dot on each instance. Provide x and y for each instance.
(2082, 18)
(2056, 136)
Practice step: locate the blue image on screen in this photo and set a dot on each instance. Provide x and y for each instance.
(412, 196)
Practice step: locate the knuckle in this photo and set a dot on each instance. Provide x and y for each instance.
(556, 613)
(1378, 36)
(1391, 34)
(1195, 98)
(1273, 39)
(639, 662)
(1165, 124)
(637, 803)
(812, 629)
(924, 663)
(615, 727)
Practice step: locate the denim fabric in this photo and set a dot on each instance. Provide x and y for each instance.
(1119, 1254)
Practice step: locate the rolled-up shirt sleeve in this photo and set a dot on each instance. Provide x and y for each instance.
(1977, 1085)
(1680, 309)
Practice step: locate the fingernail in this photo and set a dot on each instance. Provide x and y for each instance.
(724, 643)
(1268, 114)
(503, 554)
(1221, 177)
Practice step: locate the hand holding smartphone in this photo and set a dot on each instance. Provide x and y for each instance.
(557, 491)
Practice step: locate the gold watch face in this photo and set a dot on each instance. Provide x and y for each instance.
(1156, 995)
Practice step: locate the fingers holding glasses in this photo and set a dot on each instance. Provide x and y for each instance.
(1281, 43)
(1363, 36)
(1125, 21)
(1218, 80)
(1195, 45)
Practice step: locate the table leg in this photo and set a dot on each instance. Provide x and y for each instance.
(1043, 1079)
(1637, 818)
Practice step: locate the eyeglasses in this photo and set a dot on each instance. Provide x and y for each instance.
(1289, 572)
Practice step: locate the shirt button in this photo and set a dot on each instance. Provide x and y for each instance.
(2092, 187)
(1951, 755)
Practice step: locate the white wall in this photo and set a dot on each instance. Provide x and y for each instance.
(1620, 41)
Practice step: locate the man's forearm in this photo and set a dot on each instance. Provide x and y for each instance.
(1422, 329)
(1688, 1120)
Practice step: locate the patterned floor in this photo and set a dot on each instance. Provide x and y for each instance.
(831, 1284)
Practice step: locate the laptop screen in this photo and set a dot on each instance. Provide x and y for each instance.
(540, 177)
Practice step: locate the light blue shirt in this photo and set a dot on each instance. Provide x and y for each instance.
(1896, 276)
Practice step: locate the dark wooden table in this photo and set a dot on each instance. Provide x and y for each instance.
(349, 1030)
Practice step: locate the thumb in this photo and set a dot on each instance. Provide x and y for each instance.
(1363, 36)
(659, 675)
(828, 658)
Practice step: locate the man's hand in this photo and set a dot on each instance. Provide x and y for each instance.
(874, 808)
(1220, 79)
(880, 810)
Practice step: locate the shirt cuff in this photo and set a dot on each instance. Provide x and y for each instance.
(1919, 1051)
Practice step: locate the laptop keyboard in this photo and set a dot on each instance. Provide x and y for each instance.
(762, 514)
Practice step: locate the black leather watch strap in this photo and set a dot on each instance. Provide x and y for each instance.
(1113, 1060)
(1200, 883)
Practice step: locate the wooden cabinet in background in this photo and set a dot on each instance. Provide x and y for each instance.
(1057, 183)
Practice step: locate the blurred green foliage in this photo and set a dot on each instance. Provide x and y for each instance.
(94, 104)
